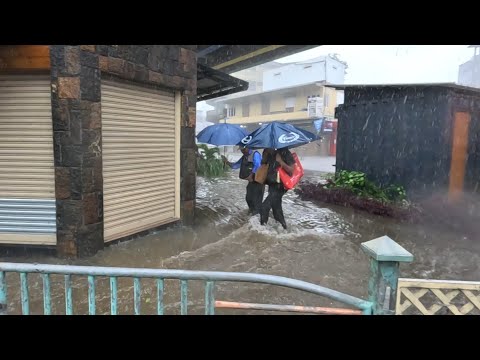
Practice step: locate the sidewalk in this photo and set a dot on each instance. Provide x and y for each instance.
(318, 163)
(311, 163)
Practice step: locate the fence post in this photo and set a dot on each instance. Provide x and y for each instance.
(3, 293)
(385, 258)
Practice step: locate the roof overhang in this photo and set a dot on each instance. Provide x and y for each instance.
(212, 83)
(233, 58)
(402, 86)
(215, 62)
(280, 91)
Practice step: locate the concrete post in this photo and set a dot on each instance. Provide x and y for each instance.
(385, 258)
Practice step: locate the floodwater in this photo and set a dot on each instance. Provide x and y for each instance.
(321, 245)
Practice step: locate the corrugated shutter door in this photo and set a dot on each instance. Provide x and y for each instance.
(139, 131)
(27, 173)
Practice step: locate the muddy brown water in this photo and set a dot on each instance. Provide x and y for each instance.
(321, 245)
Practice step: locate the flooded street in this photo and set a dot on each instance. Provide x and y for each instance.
(321, 245)
(106, 142)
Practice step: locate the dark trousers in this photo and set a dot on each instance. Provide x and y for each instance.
(254, 197)
(274, 202)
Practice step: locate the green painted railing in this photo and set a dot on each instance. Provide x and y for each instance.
(385, 258)
(210, 278)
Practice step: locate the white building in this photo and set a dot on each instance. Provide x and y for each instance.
(275, 77)
(202, 123)
(324, 68)
(469, 72)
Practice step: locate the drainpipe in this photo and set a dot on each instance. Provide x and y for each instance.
(325, 88)
(326, 69)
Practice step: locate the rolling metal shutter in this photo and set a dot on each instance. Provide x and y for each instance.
(141, 165)
(27, 173)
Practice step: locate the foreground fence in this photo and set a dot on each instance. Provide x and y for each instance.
(210, 278)
(387, 293)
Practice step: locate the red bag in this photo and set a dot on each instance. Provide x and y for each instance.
(289, 182)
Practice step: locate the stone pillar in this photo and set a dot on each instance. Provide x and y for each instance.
(188, 63)
(385, 257)
(76, 116)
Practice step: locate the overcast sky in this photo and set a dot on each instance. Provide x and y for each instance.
(383, 64)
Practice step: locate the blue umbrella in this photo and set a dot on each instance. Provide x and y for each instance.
(277, 135)
(221, 134)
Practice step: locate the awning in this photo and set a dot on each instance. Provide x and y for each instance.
(233, 58)
(213, 83)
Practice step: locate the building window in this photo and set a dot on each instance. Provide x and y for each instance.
(231, 111)
(289, 104)
(327, 99)
(265, 106)
(246, 110)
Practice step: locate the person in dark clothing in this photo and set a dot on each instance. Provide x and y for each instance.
(248, 165)
(275, 159)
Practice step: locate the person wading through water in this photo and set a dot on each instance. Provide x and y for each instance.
(275, 159)
(249, 163)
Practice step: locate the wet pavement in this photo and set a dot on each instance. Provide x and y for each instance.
(323, 164)
(321, 245)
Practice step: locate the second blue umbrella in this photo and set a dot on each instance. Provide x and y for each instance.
(222, 134)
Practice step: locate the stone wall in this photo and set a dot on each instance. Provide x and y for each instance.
(76, 108)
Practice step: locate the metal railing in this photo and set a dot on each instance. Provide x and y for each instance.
(210, 278)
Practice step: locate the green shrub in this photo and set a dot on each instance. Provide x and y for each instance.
(208, 164)
(358, 183)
